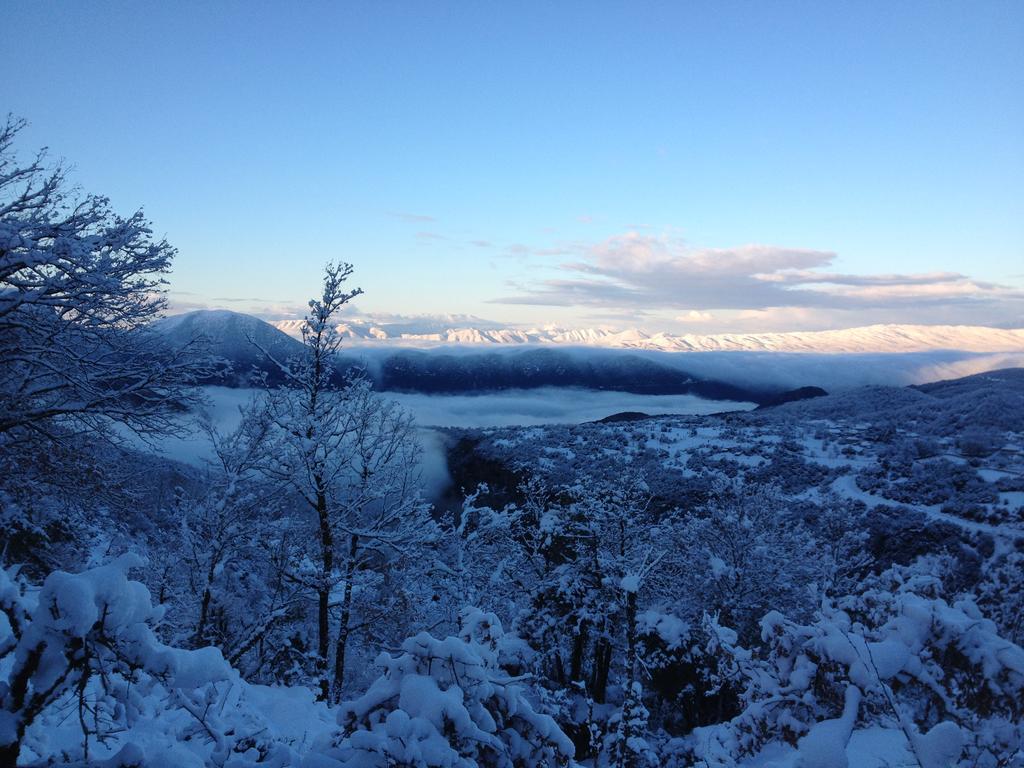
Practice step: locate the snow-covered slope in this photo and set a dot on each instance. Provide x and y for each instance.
(236, 338)
(872, 338)
(232, 334)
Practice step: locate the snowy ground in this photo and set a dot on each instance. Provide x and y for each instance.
(868, 748)
(885, 448)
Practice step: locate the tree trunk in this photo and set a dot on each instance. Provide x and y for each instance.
(346, 616)
(579, 646)
(625, 757)
(204, 609)
(9, 754)
(324, 591)
(602, 663)
(631, 638)
(557, 668)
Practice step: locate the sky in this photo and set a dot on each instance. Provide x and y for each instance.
(679, 166)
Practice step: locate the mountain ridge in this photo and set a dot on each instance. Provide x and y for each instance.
(751, 375)
(238, 340)
(879, 338)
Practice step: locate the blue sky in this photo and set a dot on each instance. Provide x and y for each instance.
(676, 166)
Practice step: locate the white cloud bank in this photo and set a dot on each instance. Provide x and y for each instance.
(762, 287)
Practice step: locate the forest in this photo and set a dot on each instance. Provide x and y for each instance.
(785, 586)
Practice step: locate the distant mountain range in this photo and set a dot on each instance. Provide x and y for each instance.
(240, 341)
(474, 360)
(868, 339)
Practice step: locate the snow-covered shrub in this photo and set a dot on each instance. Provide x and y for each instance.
(790, 472)
(447, 702)
(60, 500)
(685, 678)
(84, 644)
(976, 440)
(939, 481)
(1001, 595)
(936, 670)
(37, 528)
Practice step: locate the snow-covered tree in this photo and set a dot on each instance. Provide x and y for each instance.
(352, 458)
(625, 745)
(79, 286)
(219, 527)
(599, 545)
(746, 554)
(1001, 594)
(578, 563)
(231, 531)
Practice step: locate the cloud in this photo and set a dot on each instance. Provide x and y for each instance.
(637, 270)
(412, 218)
(253, 305)
(521, 251)
(242, 299)
(650, 271)
(396, 324)
(808, 277)
(179, 307)
(428, 236)
(549, 405)
(693, 316)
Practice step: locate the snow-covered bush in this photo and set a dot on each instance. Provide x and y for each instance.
(83, 675)
(977, 440)
(1001, 595)
(932, 482)
(446, 702)
(896, 654)
(684, 673)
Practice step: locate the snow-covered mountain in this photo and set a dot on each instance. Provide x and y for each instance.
(868, 339)
(239, 340)
(492, 359)
(235, 338)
